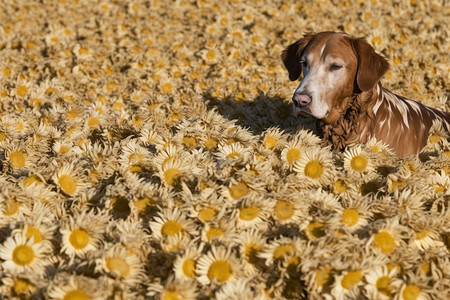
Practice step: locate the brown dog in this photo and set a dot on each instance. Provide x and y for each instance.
(341, 89)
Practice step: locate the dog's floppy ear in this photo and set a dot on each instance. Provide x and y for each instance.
(292, 54)
(371, 66)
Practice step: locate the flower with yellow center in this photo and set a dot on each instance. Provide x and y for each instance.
(357, 161)
(121, 263)
(314, 168)
(76, 287)
(380, 283)
(346, 282)
(250, 243)
(251, 213)
(17, 159)
(281, 249)
(171, 222)
(218, 266)
(185, 265)
(70, 180)
(81, 233)
(171, 171)
(238, 190)
(272, 138)
(21, 255)
(232, 151)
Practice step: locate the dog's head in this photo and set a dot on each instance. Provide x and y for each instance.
(334, 66)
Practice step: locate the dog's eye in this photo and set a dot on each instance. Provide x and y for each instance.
(335, 67)
(303, 63)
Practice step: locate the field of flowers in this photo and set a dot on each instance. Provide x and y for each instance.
(148, 151)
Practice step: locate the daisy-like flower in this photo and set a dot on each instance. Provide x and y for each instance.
(281, 249)
(389, 236)
(346, 285)
(232, 151)
(22, 255)
(354, 215)
(70, 180)
(119, 262)
(380, 282)
(292, 152)
(67, 286)
(357, 161)
(440, 183)
(82, 233)
(288, 209)
(18, 158)
(218, 231)
(185, 265)
(148, 136)
(170, 222)
(250, 243)
(218, 266)
(242, 289)
(21, 286)
(251, 212)
(314, 168)
(211, 55)
(272, 138)
(174, 289)
(414, 287)
(409, 202)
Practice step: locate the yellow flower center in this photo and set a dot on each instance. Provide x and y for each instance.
(284, 210)
(141, 204)
(171, 227)
(238, 190)
(211, 54)
(68, 184)
(20, 286)
(314, 169)
(359, 163)
(219, 270)
(93, 122)
(207, 214)
(210, 144)
(172, 295)
(190, 142)
(22, 91)
(323, 276)
(315, 230)
(189, 268)
(350, 217)
(79, 238)
(17, 159)
(167, 87)
(411, 292)
(11, 207)
(171, 175)
(214, 233)
(22, 255)
(350, 279)
(422, 234)
(270, 142)
(249, 213)
(383, 285)
(251, 251)
(234, 155)
(76, 295)
(119, 265)
(340, 186)
(283, 250)
(64, 149)
(34, 232)
(292, 155)
(385, 241)
(434, 139)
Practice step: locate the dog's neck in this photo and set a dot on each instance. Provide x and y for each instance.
(353, 124)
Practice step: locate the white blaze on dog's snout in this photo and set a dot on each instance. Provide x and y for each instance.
(313, 83)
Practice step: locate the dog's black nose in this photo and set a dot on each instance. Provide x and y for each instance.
(301, 99)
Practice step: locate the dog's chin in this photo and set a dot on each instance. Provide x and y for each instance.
(306, 112)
